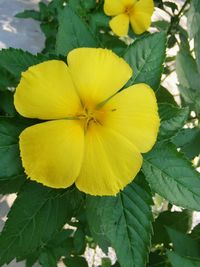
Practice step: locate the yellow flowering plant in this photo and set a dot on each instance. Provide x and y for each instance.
(92, 143)
(136, 12)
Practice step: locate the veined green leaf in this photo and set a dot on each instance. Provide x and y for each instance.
(172, 120)
(146, 57)
(184, 244)
(189, 141)
(172, 176)
(37, 215)
(6, 104)
(72, 33)
(125, 220)
(177, 260)
(10, 161)
(15, 61)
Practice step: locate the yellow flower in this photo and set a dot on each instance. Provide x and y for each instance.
(93, 135)
(137, 12)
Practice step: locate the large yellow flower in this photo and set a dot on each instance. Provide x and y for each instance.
(93, 135)
(137, 12)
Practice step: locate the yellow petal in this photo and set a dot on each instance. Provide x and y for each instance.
(97, 73)
(110, 162)
(52, 152)
(46, 91)
(116, 7)
(140, 17)
(120, 24)
(134, 115)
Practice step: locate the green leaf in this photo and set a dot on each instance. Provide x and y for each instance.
(124, 219)
(10, 161)
(79, 241)
(172, 120)
(189, 79)
(72, 33)
(176, 220)
(36, 216)
(189, 142)
(46, 259)
(7, 104)
(187, 70)
(194, 27)
(177, 260)
(13, 185)
(172, 5)
(161, 25)
(106, 262)
(76, 262)
(164, 96)
(7, 79)
(15, 61)
(196, 232)
(171, 175)
(27, 14)
(156, 259)
(183, 244)
(146, 57)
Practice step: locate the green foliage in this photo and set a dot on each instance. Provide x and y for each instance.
(174, 178)
(6, 104)
(146, 56)
(75, 262)
(10, 163)
(35, 230)
(172, 120)
(189, 141)
(124, 219)
(194, 28)
(184, 245)
(72, 33)
(15, 61)
(189, 79)
(175, 220)
(177, 260)
(31, 222)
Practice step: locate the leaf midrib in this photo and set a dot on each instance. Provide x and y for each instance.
(172, 178)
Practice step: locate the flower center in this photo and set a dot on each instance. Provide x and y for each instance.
(128, 9)
(93, 116)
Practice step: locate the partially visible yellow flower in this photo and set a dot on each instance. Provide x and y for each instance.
(137, 12)
(93, 136)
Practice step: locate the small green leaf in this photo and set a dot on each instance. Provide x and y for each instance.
(184, 244)
(172, 176)
(47, 259)
(6, 104)
(72, 33)
(27, 14)
(125, 220)
(164, 96)
(76, 262)
(187, 70)
(37, 215)
(79, 241)
(172, 5)
(189, 142)
(161, 25)
(10, 161)
(15, 61)
(146, 57)
(177, 260)
(176, 220)
(106, 262)
(13, 185)
(172, 120)
(7, 79)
